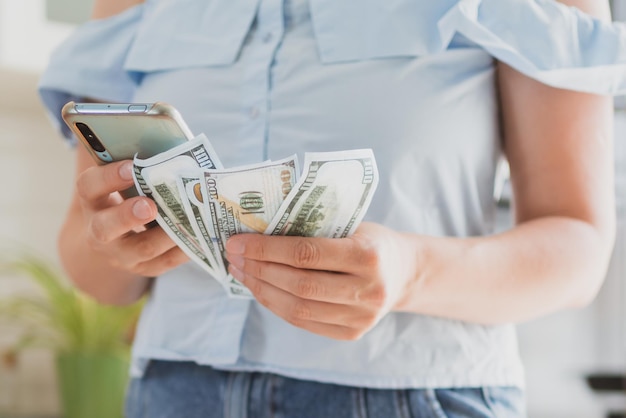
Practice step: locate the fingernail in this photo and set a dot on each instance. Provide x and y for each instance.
(126, 171)
(142, 210)
(235, 246)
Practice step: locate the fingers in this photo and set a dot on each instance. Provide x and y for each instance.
(166, 261)
(147, 253)
(137, 249)
(113, 222)
(346, 322)
(323, 286)
(95, 184)
(342, 255)
(111, 231)
(339, 288)
(115, 227)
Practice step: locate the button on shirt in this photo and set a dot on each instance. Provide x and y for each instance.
(413, 80)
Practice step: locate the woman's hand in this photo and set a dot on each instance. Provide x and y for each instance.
(114, 228)
(339, 288)
(103, 244)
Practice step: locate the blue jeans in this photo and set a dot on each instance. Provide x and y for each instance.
(186, 390)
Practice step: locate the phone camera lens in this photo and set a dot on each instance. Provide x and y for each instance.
(90, 136)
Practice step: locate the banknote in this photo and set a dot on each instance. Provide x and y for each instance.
(199, 148)
(171, 214)
(235, 289)
(190, 190)
(245, 199)
(163, 182)
(201, 204)
(331, 197)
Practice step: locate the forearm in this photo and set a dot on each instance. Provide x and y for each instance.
(536, 268)
(94, 274)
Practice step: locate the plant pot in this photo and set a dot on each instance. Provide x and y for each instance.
(92, 385)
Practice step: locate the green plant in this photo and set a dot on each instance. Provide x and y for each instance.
(91, 341)
(62, 318)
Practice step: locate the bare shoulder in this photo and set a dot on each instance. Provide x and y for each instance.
(108, 8)
(598, 8)
(560, 164)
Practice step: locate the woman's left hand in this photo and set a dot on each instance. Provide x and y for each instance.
(339, 288)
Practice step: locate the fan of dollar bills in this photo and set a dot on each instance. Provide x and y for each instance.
(201, 204)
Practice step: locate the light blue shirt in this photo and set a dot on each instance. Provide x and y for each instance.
(413, 80)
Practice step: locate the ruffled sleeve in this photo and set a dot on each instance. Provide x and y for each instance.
(105, 59)
(91, 64)
(545, 40)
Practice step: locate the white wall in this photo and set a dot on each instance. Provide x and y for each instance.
(36, 169)
(26, 37)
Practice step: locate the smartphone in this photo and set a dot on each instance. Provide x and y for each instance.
(119, 131)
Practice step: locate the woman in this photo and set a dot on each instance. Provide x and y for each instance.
(410, 316)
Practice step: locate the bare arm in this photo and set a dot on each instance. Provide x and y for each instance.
(559, 146)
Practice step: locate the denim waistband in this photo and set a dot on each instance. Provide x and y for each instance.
(185, 389)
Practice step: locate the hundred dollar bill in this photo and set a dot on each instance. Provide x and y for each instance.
(235, 289)
(193, 200)
(197, 152)
(190, 190)
(162, 179)
(332, 196)
(245, 199)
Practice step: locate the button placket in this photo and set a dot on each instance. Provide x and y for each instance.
(256, 84)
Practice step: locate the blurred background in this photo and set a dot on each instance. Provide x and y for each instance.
(561, 352)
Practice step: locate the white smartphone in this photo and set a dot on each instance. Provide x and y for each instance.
(118, 131)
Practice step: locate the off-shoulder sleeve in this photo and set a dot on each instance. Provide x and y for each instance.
(105, 59)
(546, 40)
(91, 64)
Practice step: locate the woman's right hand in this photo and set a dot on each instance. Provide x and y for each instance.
(114, 228)
(104, 244)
